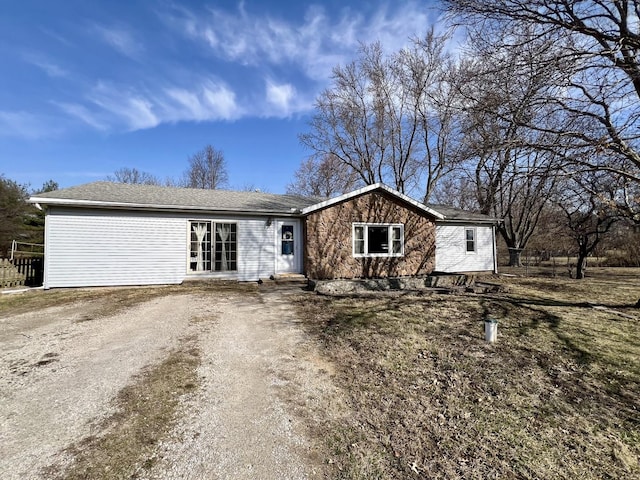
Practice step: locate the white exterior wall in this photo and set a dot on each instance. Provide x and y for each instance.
(451, 254)
(117, 247)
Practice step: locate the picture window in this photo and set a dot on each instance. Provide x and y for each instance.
(378, 240)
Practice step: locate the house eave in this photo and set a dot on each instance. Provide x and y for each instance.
(468, 221)
(92, 204)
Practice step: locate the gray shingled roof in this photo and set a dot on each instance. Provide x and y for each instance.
(150, 196)
(456, 215)
(122, 195)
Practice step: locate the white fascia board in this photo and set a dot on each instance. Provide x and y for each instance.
(367, 189)
(459, 221)
(65, 202)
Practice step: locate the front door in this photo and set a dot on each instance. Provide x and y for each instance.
(288, 246)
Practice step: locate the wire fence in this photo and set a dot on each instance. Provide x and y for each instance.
(23, 249)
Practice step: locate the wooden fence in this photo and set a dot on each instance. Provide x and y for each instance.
(22, 271)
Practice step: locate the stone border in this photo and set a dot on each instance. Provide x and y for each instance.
(446, 283)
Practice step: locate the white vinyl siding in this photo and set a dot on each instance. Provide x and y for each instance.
(102, 248)
(113, 247)
(452, 243)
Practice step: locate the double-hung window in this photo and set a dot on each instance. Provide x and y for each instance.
(213, 246)
(470, 239)
(378, 240)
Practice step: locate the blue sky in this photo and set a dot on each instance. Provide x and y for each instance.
(89, 87)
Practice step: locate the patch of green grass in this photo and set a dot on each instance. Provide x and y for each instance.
(146, 411)
(557, 397)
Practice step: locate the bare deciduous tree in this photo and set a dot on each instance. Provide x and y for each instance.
(207, 169)
(388, 118)
(602, 92)
(458, 191)
(513, 167)
(133, 176)
(588, 204)
(323, 176)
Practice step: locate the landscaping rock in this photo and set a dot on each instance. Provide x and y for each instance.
(458, 283)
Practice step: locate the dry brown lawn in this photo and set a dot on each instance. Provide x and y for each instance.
(557, 397)
(114, 299)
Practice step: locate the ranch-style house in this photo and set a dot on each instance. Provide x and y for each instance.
(102, 234)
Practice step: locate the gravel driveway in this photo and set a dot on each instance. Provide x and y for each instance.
(262, 384)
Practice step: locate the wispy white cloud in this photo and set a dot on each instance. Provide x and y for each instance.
(209, 101)
(29, 126)
(293, 57)
(134, 109)
(284, 100)
(280, 95)
(120, 38)
(315, 45)
(82, 113)
(112, 107)
(46, 65)
(57, 37)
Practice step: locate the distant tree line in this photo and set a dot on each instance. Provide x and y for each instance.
(206, 169)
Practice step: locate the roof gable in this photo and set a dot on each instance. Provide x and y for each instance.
(368, 189)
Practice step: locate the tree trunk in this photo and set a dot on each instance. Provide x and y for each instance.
(580, 266)
(514, 257)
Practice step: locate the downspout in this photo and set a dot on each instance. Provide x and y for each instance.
(495, 253)
(45, 260)
(276, 245)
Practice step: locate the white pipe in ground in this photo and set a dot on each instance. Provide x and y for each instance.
(490, 330)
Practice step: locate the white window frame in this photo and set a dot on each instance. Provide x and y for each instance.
(365, 226)
(475, 240)
(212, 243)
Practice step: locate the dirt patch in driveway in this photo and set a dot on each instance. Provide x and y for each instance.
(57, 381)
(260, 387)
(263, 388)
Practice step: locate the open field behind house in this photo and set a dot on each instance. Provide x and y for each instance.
(557, 397)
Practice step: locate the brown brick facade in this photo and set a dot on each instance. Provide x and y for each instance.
(328, 234)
